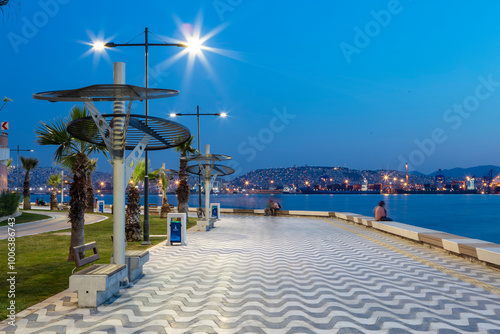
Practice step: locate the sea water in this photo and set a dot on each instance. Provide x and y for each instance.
(473, 216)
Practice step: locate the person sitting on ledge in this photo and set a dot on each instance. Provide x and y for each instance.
(276, 208)
(381, 212)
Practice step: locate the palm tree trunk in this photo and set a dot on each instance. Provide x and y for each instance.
(90, 194)
(78, 203)
(165, 208)
(53, 199)
(133, 230)
(183, 188)
(26, 191)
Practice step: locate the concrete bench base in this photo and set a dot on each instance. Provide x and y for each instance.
(135, 260)
(205, 224)
(97, 283)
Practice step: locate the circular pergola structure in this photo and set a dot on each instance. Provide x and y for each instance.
(106, 92)
(206, 157)
(120, 131)
(206, 167)
(215, 169)
(165, 134)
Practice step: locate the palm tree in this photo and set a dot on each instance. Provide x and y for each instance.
(163, 181)
(74, 154)
(90, 189)
(55, 181)
(5, 99)
(28, 165)
(182, 190)
(4, 4)
(133, 230)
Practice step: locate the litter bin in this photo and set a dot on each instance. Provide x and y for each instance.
(215, 211)
(176, 229)
(100, 206)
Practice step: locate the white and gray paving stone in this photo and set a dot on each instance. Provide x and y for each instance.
(255, 274)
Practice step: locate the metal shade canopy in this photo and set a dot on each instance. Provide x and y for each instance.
(220, 170)
(164, 133)
(107, 92)
(206, 157)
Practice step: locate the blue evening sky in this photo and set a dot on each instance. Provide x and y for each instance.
(365, 84)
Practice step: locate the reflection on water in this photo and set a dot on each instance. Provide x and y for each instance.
(473, 216)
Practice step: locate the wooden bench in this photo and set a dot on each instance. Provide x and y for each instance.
(135, 260)
(154, 209)
(98, 282)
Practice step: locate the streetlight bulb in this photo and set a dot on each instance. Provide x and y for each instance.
(173, 114)
(99, 46)
(194, 45)
(223, 114)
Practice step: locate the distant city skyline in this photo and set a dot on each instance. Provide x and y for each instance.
(366, 85)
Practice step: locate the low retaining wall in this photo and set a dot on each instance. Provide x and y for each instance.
(484, 251)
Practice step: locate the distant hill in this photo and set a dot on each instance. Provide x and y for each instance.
(40, 175)
(416, 173)
(478, 171)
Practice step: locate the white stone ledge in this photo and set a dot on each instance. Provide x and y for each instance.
(489, 254)
(309, 213)
(453, 244)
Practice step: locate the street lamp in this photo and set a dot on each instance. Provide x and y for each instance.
(100, 46)
(221, 114)
(19, 150)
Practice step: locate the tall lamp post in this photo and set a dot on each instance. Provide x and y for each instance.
(19, 150)
(221, 114)
(146, 45)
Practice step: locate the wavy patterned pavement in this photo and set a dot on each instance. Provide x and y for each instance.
(287, 275)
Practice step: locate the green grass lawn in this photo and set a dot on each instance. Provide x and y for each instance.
(26, 217)
(41, 260)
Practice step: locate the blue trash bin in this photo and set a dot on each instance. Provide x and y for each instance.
(175, 232)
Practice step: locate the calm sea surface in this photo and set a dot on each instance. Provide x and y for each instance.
(473, 216)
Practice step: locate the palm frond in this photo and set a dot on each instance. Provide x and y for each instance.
(29, 163)
(67, 146)
(186, 148)
(54, 180)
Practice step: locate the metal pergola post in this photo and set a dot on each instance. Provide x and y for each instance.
(199, 151)
(119, 182)
(145, 224)
(206, 178)
(146, 45)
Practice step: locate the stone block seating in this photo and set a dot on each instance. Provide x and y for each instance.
(98, 282)
(135, 260)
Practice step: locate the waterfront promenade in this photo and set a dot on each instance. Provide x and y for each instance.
(288, 275)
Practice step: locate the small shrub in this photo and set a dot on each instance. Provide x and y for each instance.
(9, 203)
